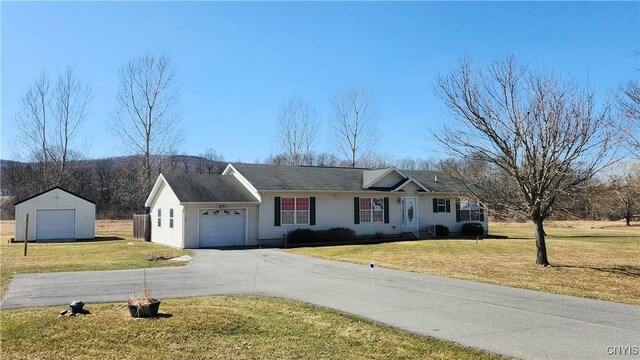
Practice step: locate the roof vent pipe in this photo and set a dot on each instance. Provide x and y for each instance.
(436, 178)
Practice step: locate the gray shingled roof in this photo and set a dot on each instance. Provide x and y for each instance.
(428, 179)
(304, 178)
(208, 188)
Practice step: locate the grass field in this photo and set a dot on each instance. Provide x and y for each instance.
(113, 249)
(599, 260)
(214, 327)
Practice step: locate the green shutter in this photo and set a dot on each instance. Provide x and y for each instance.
(386, 210)
(276, 211)
(356, 210)
(435, 205)
(457, 210)
(448, 204)
(312, 210)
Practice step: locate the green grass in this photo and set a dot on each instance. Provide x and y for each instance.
(221, 327)
(100, 254)
(599, 260)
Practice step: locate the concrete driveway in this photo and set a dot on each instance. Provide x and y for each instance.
(514, 322)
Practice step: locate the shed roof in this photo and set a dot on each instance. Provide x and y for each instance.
(53, 188)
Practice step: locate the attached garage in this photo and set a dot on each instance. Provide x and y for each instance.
(221, 227)
(56, 214)
(202, 211)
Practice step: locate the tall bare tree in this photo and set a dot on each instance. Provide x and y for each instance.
(49, 121)
(145, 119)
(533, 130)
(626, 187)
(354, 124)
(297, 129)
(32, 124)
(71, 102)
(629, 104)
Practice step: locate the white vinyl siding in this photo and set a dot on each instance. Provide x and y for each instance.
(164, 200)
(332, 210)
(85, 213)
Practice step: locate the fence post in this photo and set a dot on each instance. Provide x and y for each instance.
(26, 232)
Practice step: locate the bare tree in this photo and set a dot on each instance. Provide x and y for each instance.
(532, 130)
(49, 122)
(32, 124)
(297, 129)
(626, 187)
(629, 105)
(354, 123)
(211, 162)
(145, 118)
(71, 102)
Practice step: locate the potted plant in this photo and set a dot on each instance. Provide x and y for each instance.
(146, 305)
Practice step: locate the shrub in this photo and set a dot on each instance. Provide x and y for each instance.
(442, 231)
(472, 229)
(337, 234)
(302, 236)
(308, 236)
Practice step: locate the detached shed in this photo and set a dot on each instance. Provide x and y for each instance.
(56, 214)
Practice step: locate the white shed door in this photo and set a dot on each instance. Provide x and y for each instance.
(55, 224)
(220, 227)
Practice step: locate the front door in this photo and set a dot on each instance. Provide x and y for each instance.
(409, 213)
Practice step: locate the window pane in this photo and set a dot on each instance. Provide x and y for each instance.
(302, 217)
(378, 204)
(377, 216)
(287, 218)
(302, 203)
(365, 216)
(442, 202)
(171, 223)
(464, 215)
(170, 212)
(287, 204)
(365, 203)
(159, 212)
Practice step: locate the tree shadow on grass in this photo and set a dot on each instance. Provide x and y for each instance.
(633, 271)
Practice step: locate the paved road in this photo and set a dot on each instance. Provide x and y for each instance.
(514, 322)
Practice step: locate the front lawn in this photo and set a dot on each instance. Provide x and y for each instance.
(599, 260)
(113, 249)
(224, 327)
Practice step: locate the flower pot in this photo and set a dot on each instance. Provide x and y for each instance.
(144, 308)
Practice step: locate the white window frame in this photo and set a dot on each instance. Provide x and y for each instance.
(171, 218)
(442, 205)
(470, 210)
(295, 211)
(372, 210)
(159, 217)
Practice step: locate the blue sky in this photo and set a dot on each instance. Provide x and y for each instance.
(237, 63)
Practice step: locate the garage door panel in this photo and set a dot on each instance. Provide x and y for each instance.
(221, 227)
(55, 224)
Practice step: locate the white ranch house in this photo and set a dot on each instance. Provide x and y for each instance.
(255, 204)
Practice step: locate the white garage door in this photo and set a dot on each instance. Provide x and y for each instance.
(55, 224)
(221, 227)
